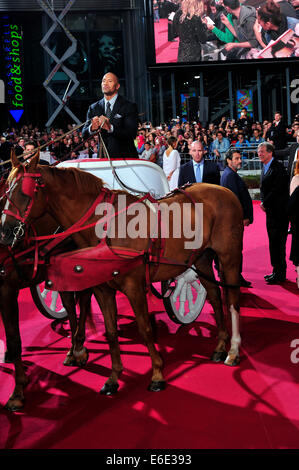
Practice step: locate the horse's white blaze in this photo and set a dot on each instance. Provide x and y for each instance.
(3, 216)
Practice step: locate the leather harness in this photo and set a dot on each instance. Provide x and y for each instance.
(43, 245)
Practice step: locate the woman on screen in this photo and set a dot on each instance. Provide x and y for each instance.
(273, 22)
(187, 25)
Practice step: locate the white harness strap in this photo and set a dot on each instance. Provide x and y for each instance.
(9, 191)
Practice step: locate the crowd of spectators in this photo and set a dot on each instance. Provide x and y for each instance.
(151, 141)
(217, 139)
(52, 143)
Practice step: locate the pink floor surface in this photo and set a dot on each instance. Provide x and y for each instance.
(205, 405)
(165, 51)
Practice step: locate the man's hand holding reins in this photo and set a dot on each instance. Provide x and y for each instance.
(101, 122)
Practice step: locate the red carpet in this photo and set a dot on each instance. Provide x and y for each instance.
(205, 405)
(165, 51)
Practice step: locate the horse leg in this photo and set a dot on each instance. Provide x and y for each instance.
(80, 352)
(106, 298)
(138, 301)
(68, 301)
(10, 316)
(231, 275)
(205, 265)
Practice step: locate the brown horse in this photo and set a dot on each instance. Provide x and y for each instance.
(66, 194)
(16, 275)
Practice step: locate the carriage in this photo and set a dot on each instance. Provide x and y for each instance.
(184, 296)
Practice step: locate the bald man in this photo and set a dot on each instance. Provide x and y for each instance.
(116, 118)
(198, 170)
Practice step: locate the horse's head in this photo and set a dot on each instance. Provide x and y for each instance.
(23, 201)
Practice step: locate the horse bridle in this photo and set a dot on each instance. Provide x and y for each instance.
(31, 183)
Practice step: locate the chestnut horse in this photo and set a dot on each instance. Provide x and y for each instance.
(17, 275)
(67, 193)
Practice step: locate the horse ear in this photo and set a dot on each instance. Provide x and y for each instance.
(14, 159)
(34, 160)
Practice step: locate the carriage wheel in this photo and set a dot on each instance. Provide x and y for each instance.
(187, 298)
(48, 302)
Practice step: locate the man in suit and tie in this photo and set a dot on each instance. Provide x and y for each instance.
(116, 118)
(198, 170)
(277, 133)
(274, 200)
(231, 180)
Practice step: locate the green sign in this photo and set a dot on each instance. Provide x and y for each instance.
(12, 40)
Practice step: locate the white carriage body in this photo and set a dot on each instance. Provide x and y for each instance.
(139, 175)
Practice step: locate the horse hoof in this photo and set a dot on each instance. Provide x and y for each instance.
(7, 359)
(69, 361)
(109, 389)
(157, 386)
(14, 404)
(219, 356)
(81, 361)
(232, 361)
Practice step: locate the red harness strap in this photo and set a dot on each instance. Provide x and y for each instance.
(159, 259)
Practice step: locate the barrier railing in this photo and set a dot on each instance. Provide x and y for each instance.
(250, 160)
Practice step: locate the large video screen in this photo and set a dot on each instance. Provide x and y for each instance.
(193, 31)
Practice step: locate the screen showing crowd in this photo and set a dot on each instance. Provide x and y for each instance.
(188, 31)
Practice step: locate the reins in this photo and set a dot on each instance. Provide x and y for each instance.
(118, 179)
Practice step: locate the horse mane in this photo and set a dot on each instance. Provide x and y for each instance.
(13, 174)
(87, 182)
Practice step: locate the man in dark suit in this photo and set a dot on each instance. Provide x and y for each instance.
(116, 118)
(231, 180)
(198, 170)
(277, 133)
(291, 153)
(274, 200)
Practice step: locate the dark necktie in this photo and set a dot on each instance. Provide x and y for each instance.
(108, 110)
